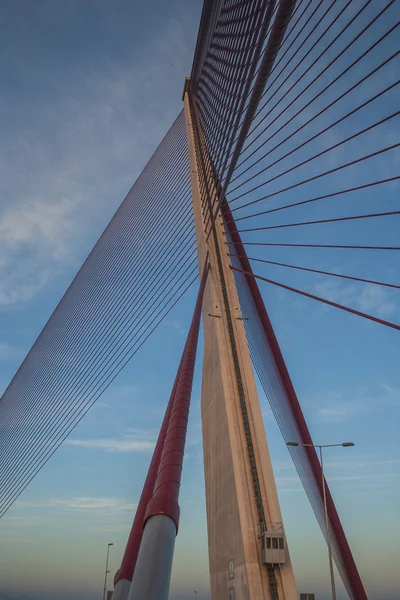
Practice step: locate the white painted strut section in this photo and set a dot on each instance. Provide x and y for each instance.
(153, 567)
(121, 590)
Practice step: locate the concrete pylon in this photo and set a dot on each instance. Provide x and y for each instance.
(241, 497)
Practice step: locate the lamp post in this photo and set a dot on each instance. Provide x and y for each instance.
(328, 536)
(195, 593)
(107, 571)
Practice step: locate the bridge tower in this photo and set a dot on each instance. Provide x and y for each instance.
(248, 554)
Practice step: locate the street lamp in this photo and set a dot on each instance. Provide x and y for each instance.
(328, 537)
(195, 593)
(107, 571)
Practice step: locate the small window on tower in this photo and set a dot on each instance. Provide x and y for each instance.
(281, 544)
(268, 542)
(275, 543)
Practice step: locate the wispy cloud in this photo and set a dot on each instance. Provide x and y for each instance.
(7, 351)
(361, 463)
(81, 504)
(334, 412)
(130, 442)
(81, 149)
(178, 327)
(363, 476)
(368, 298)
(335, 406)
(14, 522)
(393, 393)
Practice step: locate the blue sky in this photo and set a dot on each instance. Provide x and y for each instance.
(88, 91)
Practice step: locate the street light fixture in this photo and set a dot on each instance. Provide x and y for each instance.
(328, 537)
(107, 571)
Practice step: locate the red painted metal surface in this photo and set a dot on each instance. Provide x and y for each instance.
(275, 38)
(166, 489)
(135, 537)
(353, 578)
(163, 476)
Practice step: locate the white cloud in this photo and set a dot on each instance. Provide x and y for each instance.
(7, 351)
(362, 463)
(366, 298)
(393, 393)
(178, 327)
(81, 504)
(335, 407)
(334, 412)
(113, 529)
(26, 521)
(350, 477)
(130, 442)
(14, 540)
(375, 299)
(63, 176)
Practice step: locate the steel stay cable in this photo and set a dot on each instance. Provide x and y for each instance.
(264, 32)
(242, 61)
(90, 391)
(322, 153)
(238, 376)
(319, 133)
(41, 465)
(213, 56)
(277, 389)
(340, 275)
(217, 73)
(248, 63)
(315, 177)
(215, 127)
(269, 87)
(312, 139)
(288, 432)
(78, 299)
(279, 400)
(87, 367)
(289, 390)
(49, 381)
(274, 42)
(321, 72)
(219, 131)
(232, 21)
(254, 9)
(90, 365)
(80, 401)
(92, 254)
(322, 91)
(72, 341)
(321, 221)
(291, 31)
(342, 247)
(99, 249)
(323, 197)
(323, 300)
(102, 383)
(132, 348)
(224, 54)
(206, 176)
(297, 7)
